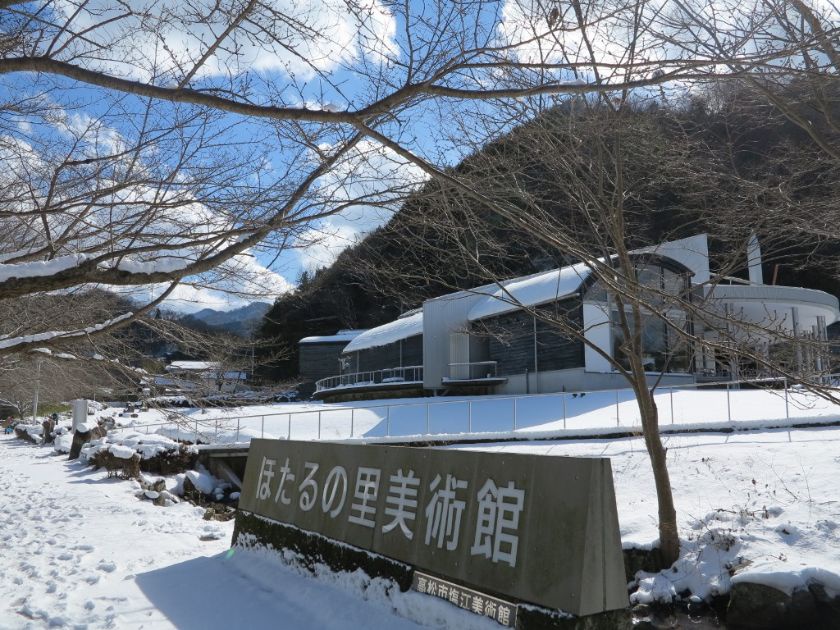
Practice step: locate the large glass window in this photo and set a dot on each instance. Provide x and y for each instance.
(663, 348)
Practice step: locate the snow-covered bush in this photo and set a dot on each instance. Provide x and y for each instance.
(157, 453)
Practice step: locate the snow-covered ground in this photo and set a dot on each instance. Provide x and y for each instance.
(80, 550)
(535, 416)
(763, 505)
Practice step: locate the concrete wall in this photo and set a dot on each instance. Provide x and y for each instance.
(441, 317)
(577, 380)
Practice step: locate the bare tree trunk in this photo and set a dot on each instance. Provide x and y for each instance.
(669, 541)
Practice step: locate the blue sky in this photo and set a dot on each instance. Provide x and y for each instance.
(326, 70)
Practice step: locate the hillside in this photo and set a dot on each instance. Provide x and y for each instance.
(737, 150)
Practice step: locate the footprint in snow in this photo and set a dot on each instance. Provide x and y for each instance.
(211, 533)
(108, 567)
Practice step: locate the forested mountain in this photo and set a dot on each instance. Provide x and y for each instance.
(752, 158)
(239, 321)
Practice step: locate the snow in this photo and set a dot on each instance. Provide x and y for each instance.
(761, 505)
(63, 443)
(121, 452)
(202, 480)
(40, 268)
(166, 264)
(76, 544)
(341, 335)
(124, 443)
(193, 365)
(756, 505)
(487, 417)
(402, 328)
(10, 342)
(82, 550)
(530, 290)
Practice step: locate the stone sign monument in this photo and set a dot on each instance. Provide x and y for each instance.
(532, 528)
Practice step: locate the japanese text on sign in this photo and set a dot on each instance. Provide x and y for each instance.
(535, 528)
(494, 532)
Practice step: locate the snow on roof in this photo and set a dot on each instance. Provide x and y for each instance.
(193, 365)
(529, 291)
(402, 328)
(342, 335)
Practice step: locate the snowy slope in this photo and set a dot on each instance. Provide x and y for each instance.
(535, 416)
(764, 504)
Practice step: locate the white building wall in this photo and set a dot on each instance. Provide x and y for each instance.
(442, 317)
(693, 252)
(596, 324)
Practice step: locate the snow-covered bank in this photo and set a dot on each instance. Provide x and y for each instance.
(494, 417)
(74, 541)
(81, 550)
(759, 507)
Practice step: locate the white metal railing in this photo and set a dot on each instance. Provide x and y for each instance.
(410, 374)
(473, 371)
(322, 423)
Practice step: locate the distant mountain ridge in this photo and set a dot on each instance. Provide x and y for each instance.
(239, 321)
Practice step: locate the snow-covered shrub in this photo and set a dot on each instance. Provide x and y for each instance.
(30, 432)
(119, 461)
(157, 453)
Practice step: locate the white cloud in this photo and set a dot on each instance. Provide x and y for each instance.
(539, 31)
(320, 247)
(238, 282)
(373, 181)
(163, 38)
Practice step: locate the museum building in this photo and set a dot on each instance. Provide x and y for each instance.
(559, 330)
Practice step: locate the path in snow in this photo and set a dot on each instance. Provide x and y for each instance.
(80, 550)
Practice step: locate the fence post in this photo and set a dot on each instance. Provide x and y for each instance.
(352, 420)
(469, 416)
(216, 432)
(563, 395)
(617, 412)
(195, 438)
(671, 393)
(427, 419)
(238, 420)
(388, 421)
(728, 405)
(262, 427)
(514, 413)
(289, 436)
(319, 425)
(787, 404)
